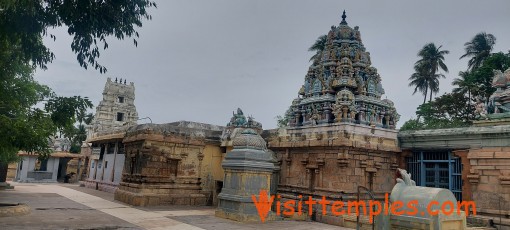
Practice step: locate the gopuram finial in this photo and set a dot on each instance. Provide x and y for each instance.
(343, 18)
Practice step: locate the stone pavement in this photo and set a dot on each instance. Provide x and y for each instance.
(64, 206)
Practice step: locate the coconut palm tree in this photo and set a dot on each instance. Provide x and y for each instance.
(88, 118)
(434, 84)
(419, 79)
(464, 85)
(479, 49)
(432, 60)
(80, 116)
(318, 46)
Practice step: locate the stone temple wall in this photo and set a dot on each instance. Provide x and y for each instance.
(489, 177)
(484, 151)
(332, 161)
(163, 166)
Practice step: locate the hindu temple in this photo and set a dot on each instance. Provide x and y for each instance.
(341, 134)
(342, 86)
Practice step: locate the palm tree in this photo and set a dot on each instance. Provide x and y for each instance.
(464, 85)
(318, 46)
(419, 80)
(479, 49)
(432, 60)
(80, 116)
(434, 84)
(88, 118)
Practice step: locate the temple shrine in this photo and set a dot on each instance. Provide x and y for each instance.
(341, 86)
(341, 134)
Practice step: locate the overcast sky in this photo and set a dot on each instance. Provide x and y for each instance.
(200, 60)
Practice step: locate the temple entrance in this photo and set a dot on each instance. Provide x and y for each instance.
(62, 168)
(438, 169)
(436, 175)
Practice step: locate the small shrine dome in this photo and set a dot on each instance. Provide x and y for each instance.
(249, 139)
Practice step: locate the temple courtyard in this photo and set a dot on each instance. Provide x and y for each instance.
(68, 206)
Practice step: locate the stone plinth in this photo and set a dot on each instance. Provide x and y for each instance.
(249, 169)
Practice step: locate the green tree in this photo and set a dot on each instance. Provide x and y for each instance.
(318, 46)
(66, 111)
(26, 127)
(88, 118)
(282, 121)
(432, 59)
(420, 80)
(21, 126)
(412, 124)
(447, 111)
(465, 84)
(479, 49)
(484, 74)
(23, 23)
(77, 134)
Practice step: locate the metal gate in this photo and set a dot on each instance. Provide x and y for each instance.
(439, 169)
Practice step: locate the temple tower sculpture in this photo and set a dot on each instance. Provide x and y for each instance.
(499, 101)
(103, 150)
(117, 109)
(341, 134)
(342, 86)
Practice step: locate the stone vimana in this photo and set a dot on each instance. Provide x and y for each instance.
(342, 85)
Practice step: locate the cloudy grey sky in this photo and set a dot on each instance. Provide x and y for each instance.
(200, 60)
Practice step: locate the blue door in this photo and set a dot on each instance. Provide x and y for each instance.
(438, 169)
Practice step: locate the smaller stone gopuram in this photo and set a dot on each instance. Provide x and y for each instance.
(249, 169)
(116, 111)
(103, 149)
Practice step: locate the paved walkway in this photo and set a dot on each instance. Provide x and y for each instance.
(56, 206)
